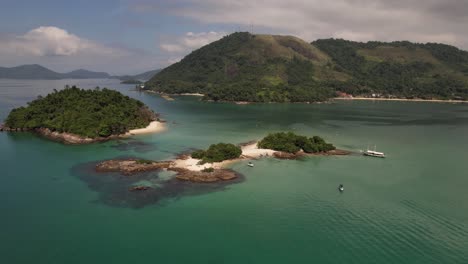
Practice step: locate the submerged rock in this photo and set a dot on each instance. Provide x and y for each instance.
(207, 177)
(131, 166)
(139, 188)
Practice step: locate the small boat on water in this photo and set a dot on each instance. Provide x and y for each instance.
(341, 188)
(374, 153)
(250, 164)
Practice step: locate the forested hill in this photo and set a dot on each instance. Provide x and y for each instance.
(38, 72)
(87, 113)
(269, 68)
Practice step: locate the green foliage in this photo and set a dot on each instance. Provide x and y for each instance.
(88, 113)
(292, 143)
(245, 67)
(439, 71)
(144, 161)
(266, 68)
(208, 169)
(198, 154)
(218, 152)
(131, 81)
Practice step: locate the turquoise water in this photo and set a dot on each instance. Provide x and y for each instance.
(408, 208)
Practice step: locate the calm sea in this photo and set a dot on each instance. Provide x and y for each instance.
(411, 207)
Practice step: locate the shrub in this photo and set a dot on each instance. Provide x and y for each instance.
(292, 143)
(208, 169)
(198, 154)
(218, 152)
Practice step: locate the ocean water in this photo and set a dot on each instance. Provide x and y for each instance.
(411, 207)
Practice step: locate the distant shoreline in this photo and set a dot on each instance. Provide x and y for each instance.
(402, 100)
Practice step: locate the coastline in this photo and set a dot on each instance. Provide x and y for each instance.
(73, 139)
(153, 127)
(189, 169)
(402, 100)
(250, 151)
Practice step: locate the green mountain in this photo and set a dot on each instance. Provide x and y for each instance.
(38, 72)
(85, 74)
(269, 68)
(142, 76)
(33, 71)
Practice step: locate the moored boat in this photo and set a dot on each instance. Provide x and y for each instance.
(374, 153)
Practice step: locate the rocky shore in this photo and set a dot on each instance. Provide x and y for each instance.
(190, 169)
(129, 167)
(73, 139)
(300, 154)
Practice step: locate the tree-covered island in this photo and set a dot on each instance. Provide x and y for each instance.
(217, 153)
(75, 115)
(292, 143)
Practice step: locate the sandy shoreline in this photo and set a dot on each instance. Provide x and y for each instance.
(153, 127)
(250, 151)
(402, 100)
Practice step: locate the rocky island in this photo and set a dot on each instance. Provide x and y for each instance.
(208, 166)
(79, 116)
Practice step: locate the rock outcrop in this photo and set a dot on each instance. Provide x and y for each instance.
(131, 166)
(204, 177)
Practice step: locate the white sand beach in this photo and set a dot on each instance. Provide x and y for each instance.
(153, 127)
(250, 151)
(402, 100)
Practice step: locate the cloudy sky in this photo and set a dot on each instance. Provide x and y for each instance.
(126, 37)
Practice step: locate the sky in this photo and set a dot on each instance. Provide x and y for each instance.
(129, 37)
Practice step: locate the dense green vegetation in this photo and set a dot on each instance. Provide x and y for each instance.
(208, 169)
(131, 81)
(399, 69)
(38, 72)
(292, 143)
(266, 68)
(245, 67)
(88, 113)
(218, 152)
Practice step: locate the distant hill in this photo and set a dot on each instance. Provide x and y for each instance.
(270, 68)
(142, 76)
(85, 74)
(38, 72)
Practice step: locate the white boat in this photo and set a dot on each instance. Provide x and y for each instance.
(373, 153)
(250, 164)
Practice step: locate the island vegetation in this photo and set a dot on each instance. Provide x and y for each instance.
(292, 143)
(217, 153)
(131, 81)
(86, 113)
(269, 68)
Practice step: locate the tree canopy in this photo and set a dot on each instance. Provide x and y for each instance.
(88, 113)
(218, 152)
(292, 143)
(270, 68)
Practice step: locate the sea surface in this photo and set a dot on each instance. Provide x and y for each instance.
(411, 207)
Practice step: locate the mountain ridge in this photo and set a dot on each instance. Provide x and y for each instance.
(275, 68)
(39, 72)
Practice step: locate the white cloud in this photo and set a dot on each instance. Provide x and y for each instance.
(191, 41)
(174, 60)
(362, 20)
(53, 41)
(172, 48)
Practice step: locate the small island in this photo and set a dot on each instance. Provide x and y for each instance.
(131, 81)
(79, 116)
(207, 166)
